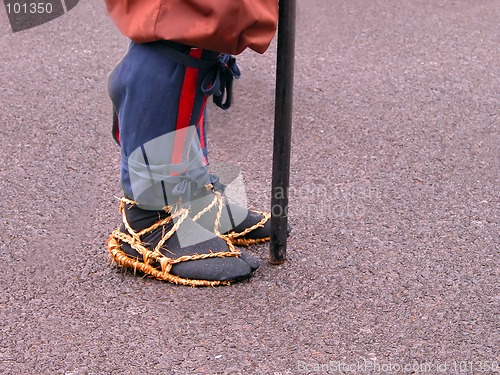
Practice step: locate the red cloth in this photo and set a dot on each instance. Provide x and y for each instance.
(228, 26)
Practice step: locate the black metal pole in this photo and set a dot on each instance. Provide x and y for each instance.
(282, 131)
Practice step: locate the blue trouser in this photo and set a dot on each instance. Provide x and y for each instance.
(159, 91)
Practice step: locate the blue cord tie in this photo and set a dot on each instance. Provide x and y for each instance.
(219, 81)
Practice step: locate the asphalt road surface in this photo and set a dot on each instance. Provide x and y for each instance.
(393, 264)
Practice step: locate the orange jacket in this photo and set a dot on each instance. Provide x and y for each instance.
(227, 26)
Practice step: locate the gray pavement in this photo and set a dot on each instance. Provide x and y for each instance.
(393, 263)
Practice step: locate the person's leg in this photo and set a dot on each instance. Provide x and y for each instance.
(211, 208)
(155, 99)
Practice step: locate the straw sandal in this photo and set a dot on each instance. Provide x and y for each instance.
(238, 225)
(168, 245)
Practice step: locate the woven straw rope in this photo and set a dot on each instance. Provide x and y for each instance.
(234, 237)
(145, 266)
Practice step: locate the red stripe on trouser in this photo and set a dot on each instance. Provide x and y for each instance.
(116, 127)
(185, 110)
(201, 128)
